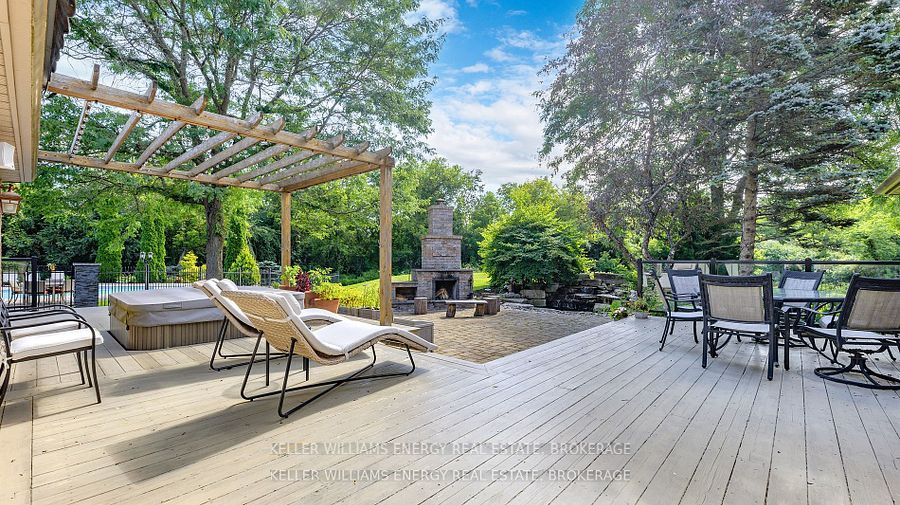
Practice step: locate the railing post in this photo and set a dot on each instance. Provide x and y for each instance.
(713, 267)
(34, 281)
(808, 265)
(640, 277)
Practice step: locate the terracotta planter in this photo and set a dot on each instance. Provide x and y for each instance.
(309, 298)
(640, 315)
(286, 287)
(329, 305)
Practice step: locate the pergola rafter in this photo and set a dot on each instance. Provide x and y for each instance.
(272, 168)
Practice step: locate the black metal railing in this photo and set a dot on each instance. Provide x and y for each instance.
(27, 283)
(837, 272)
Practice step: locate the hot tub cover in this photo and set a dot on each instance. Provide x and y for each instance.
(157, 307)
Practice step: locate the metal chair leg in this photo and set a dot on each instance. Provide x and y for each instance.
(94, 367)
(662, 341)
(332, 383)
(696, 341)
(6, 370)
(80, 367)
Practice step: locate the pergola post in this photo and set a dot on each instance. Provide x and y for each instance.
(386, 314)
(285, 230)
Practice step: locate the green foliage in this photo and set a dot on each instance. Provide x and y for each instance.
(153, 241)
(532, 245)
(327, 290)
(189, 269)
(617, 310)
(289, 275)
(237, 238)
(244, 269)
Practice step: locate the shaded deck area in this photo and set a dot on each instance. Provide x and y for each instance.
(170, 430)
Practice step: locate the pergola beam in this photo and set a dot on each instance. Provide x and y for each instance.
(133, 168)
(285, 230)
(78, 88)
(385, 245)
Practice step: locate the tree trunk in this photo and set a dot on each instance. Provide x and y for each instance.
(751, 195)
(215, 237)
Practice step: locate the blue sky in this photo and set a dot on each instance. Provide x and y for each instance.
(484, 114)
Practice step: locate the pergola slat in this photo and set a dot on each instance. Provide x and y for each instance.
(170, 131)
(324, 174)
(321, 161)
(277, 165)
(251, 160)
(82, 122)
(344, 169)
(122, 136)
(197, 150)
(219, 157)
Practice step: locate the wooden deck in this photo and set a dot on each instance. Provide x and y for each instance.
(170, 430)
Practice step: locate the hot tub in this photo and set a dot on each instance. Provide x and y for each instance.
(163, 318)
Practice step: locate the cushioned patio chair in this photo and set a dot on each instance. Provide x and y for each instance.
(868, 323)
(26, 342)
(735, 306)
(283, 328)
(681, 301)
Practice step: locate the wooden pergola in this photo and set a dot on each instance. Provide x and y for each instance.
(245, 153)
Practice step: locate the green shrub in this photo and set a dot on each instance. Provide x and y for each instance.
(244, 269)
(189, 269)
(532, 246)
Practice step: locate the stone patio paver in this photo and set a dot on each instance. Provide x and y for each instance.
(483, 339)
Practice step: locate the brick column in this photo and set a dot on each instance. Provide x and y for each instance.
(87, 284)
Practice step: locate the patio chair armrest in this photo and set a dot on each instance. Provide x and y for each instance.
(43, 307)
(81, 322)
(45, 313)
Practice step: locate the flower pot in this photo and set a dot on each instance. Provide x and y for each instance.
(309, 298)
(287, 287)
(640, 315)
(329, 305)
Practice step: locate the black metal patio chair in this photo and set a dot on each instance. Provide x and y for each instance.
(868, 323)
(681, 301)
(735, 306)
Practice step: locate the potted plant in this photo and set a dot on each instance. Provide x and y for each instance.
(303, 283)
(327, 295)
(289, 277)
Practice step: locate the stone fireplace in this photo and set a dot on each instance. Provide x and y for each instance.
(441, 275)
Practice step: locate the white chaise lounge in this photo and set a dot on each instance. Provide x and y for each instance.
(284, 329)
(235, 317)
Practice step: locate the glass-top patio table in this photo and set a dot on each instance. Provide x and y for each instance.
(806, 296)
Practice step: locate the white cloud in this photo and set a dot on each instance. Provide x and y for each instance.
(516, 12)
(492, 123)
(438, 10)
(498, 54)
(477, 68)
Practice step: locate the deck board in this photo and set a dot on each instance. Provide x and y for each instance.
(171, 431)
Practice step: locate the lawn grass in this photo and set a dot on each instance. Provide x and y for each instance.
(481, 280)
